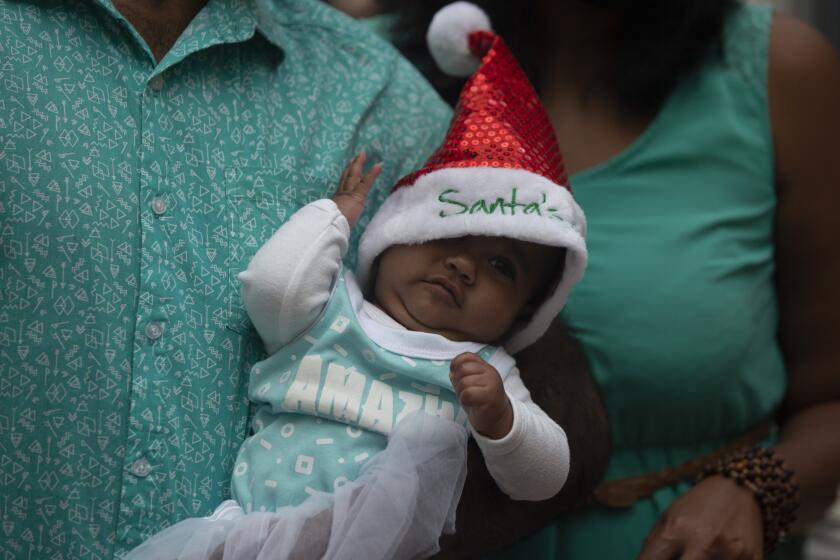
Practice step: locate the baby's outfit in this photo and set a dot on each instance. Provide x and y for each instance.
(341, 377)
(359, 444)
(328, 398)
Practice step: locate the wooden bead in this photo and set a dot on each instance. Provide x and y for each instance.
(774, 487)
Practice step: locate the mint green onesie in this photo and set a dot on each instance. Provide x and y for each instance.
(327, 401)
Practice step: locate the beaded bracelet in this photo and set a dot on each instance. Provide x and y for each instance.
(774, 487)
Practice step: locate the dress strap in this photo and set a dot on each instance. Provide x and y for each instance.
(746, 43)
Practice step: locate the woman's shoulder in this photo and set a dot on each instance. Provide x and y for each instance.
(748, 21)
(801, 55)
(757, 37)
(804, 86)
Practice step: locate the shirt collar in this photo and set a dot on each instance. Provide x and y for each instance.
(276, 17)
(269, 19)
(220, 21)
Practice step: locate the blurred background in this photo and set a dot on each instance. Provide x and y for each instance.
(822, 14)
(824, 539)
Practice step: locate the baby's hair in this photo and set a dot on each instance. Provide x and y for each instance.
(547, 284)
(550, 278)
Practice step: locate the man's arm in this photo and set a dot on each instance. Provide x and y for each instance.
(556, 372)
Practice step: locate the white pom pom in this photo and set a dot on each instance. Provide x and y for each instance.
(448, 37)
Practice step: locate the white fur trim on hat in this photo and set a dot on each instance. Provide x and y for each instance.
(455, 202)
(448, 37)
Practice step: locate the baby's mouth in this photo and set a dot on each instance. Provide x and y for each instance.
(449, 287)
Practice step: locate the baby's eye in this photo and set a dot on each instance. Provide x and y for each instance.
(505, 266)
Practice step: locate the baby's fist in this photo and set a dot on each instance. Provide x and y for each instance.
(481, 392)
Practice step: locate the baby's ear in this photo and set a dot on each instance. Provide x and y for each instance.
(526, 313)
(370, 289)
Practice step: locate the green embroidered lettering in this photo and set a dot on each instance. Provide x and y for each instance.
(532, 208)
(512, 204)
(480, 205)
(442, 198)
(501, 204)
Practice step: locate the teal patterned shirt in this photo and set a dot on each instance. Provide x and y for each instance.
(131, 193)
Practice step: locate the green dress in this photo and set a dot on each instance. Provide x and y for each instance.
(677, 311)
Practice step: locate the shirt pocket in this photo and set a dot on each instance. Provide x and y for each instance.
(260, 200)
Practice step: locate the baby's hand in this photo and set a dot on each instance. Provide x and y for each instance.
(481, 393)
(353, 188)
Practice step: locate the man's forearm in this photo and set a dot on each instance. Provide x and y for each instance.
(556, 372)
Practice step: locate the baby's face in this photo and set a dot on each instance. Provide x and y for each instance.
(467, 288)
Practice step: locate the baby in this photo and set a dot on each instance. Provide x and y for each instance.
(344, 371)
(363, 404)
(423, 343)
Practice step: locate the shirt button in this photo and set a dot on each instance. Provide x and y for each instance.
(154, 330)
(158, 205)
(141, 467)
(156, 83)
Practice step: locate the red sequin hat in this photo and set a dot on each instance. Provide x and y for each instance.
(498, 172)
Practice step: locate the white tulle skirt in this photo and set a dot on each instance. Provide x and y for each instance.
(403, 501)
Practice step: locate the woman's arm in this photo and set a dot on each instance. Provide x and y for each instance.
(557, 374)
(717, 518)
(804, 84)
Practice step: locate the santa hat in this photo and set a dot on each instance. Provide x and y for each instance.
(499, 171)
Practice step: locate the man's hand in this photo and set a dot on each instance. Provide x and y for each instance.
(353, 188)
(481, 392)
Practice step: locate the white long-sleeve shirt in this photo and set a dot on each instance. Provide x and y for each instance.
(288, 283)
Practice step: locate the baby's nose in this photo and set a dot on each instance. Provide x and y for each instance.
(462, 265)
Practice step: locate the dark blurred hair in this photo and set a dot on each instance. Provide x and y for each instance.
(656, 44)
